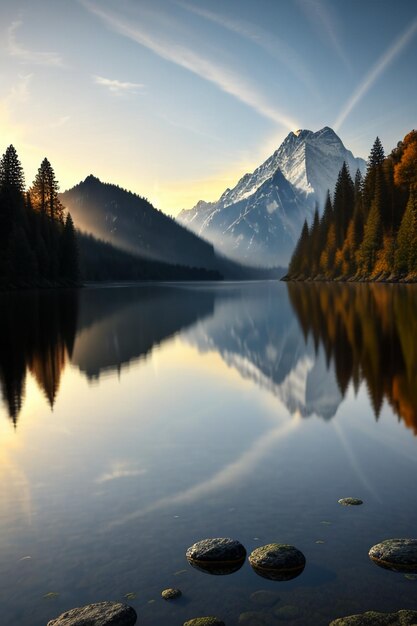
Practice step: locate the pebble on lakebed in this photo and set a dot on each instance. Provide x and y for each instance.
(100, 614)
(350, 501)
(398, 555)
(219, 556)
(205, 621)
(277, 561)
(171, 594)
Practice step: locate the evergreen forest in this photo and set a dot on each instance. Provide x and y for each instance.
(368, 229)
(38, 244)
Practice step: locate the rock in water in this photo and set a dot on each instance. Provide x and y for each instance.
(277, 561)
(350, 501)
(371, 618)
(171, 594)
(100, 614)
(398, 555)
(217, 556)
(204, 621)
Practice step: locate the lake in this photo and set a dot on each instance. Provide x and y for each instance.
(138, 420)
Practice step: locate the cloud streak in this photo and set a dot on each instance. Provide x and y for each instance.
(320, 16)
(393, 51)
(117, 86)
(24, 55)
(274, 46)
(226, 80)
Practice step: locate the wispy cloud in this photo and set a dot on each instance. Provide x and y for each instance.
(393, 51)
(322, 18)
(24, 55)
(61, 121)
(273, 45)
(117, 86)
(120, 470)
(20, 91)
(226, 80)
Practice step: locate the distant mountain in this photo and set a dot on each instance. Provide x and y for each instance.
(131, 222)
(259, 220)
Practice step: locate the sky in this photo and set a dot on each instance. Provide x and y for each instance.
(177, 99)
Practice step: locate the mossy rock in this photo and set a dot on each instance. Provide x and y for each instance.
(277, 561)
(171, 594)
(371, 618)
(205, 621)
(100, 614)
(350, 501)
(220, 555)
(398, 555)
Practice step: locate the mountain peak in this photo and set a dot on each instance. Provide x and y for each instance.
(92, 179)
(259, 219)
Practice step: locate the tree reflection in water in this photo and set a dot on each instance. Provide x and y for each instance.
(368, 333)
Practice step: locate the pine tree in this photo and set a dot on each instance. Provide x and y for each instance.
(44, 193)
(11, 205)
(377, 155)
(372, 240)
(69, 253)
(343, 204)
(11, 172)
(375, 161)
(314, 244)
(299, 259)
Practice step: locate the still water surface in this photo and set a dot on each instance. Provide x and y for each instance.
(138, 420)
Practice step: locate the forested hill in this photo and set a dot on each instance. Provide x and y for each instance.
(133, 224)
(368, 230)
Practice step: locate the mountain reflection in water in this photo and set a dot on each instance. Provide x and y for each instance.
(305, 345)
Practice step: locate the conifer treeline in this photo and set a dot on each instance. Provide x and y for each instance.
(368, 230)
(38, 245)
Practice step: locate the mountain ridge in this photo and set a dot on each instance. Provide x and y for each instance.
(269, 209)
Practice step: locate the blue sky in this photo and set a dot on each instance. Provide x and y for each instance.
(176, 99)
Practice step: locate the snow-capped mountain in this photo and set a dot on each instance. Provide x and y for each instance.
(259, 220)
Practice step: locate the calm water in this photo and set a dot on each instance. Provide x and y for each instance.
(136, 421)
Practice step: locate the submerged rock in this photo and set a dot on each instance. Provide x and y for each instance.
(398, 555)
(171, 594)
(100, 614)
(264, 598)
(217, 556)
(277, 561)
(256, 618)
(204, 621)
(287, 612)
(350, 501)
(402, 618)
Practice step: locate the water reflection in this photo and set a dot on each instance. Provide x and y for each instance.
(37, 333)
(367, 333)
(340, 334)
(95, 329)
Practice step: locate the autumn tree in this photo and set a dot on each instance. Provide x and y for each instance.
(406, 252)
(405, 171)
